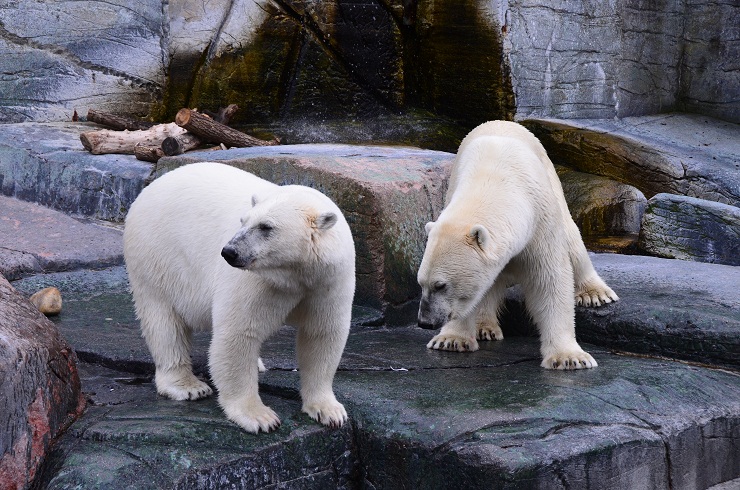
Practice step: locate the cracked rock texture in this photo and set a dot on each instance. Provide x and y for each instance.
(292, 60)
(680, 227)
(39, 387)
(418, 418)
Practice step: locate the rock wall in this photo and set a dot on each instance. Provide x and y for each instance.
(572, 59)
(470, 61)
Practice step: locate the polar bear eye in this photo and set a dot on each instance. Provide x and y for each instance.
(266, 227)
(439, 286)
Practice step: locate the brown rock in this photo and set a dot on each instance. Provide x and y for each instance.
(48, 301)
(39, 387)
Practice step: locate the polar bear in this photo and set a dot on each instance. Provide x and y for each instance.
(211, 246)
(506, 221)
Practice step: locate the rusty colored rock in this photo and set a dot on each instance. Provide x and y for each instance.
(39, 389)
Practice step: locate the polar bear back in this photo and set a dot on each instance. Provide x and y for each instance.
(514, 131)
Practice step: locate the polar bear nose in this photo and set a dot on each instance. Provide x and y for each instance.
(230, 254)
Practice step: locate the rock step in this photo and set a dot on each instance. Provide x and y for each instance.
(37, 239)
(418, 418)
(685, 154)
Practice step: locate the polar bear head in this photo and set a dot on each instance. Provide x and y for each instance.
(282, 230)
(454, 273)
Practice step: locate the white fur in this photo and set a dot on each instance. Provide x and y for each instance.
(505, 222)
(301, 271)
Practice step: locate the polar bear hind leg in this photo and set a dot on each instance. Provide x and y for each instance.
(590, 289)
(548, 299)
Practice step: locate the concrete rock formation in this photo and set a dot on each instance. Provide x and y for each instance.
(39, 388)
(680, 227)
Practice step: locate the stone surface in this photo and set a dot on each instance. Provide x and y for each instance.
(34, 239)
(671, 308)
(48, 301)
(46, 163)
(39, 388)
(680, 227)
(623, 58)
(291, 60)
(58, 57)
(420, 417)
(387, 195)
(602, 207)
(684, 154)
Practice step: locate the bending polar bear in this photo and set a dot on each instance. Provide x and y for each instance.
(506, 221)
(291, 259)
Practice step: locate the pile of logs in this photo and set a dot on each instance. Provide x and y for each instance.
(150, 142)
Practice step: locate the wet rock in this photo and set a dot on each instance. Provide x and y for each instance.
(670, 308)
(48, 301)
(683, 154)
(35, 239)
(46, 163)
(602, 207)
(39, 387)
(680, 227)
(386, 193)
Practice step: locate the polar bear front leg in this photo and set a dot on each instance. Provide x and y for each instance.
(548, 299)
(233, 360)
(169, 341)
(458, 335)
(319, 344)
(487, 326)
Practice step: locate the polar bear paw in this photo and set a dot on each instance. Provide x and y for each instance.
(595, 293)
(452, 342)
(180, 384)
(489, 331)
(327, 412)
(254, 417)
(569, 360)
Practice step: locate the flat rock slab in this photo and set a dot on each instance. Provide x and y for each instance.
(422, 419)
(39, 387)
(418, 417)
(387, 195)
(685, 154)
(36, 239)
(46, 163)
(673, 308)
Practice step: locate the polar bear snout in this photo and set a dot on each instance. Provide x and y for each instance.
(235, 259)
(428, 318)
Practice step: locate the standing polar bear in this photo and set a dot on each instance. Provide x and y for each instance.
(211, 246)
(506, 221)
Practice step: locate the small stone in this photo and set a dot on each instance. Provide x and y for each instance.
(48, 301)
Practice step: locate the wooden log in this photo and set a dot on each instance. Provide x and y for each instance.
(213, 131)
(108, 141)
(177, 145)
(224, 114)
(148, 153)
(117, 122)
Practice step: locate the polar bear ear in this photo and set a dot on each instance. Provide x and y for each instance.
(254, 200)
(428, 226)
(324, 221)
(481, 235)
